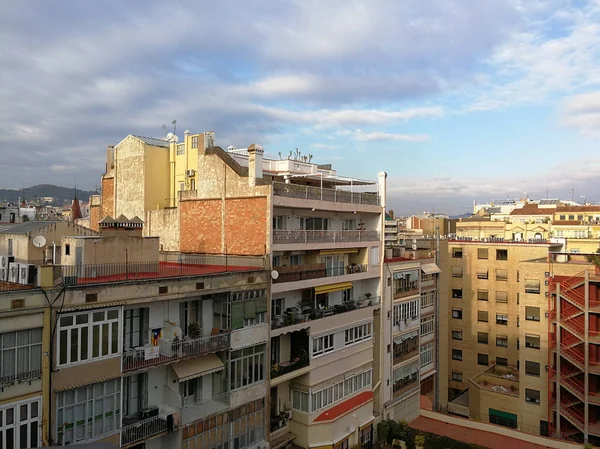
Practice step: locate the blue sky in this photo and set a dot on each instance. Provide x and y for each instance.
(456, 100)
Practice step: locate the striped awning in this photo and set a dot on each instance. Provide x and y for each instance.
(430, 268)
(333, 288)
(197, 367)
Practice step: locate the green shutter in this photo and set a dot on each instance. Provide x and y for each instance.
(237, 315)
(250, 309)
(261, 305)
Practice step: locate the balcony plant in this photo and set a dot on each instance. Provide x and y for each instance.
(194, 330)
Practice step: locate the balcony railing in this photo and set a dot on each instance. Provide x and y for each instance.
(169, 350)
(279, 369)
(169, 265)
(139, 430)
(404, 385)
(406, 355)
(315, 271)
(20, 377)
(303, 236)
(202, 409)
(295, 317)
(317, 193)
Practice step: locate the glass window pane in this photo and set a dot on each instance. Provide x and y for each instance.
(98, 316)
(33, 430)
(23, 436)
(115, 338)
(96, 341)
(84, 343)
(74, 344)
(33, 410)
(105, 339)
(81, 319)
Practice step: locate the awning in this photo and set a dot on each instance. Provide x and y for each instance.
(398, 340)
(482, 271)
(326, 252)
(198, 366)
(282, 440)
(333, 288)
(430, 268)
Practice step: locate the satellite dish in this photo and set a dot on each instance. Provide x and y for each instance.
(39, 241)
(414, 246)
(274, 274)
(414, 241)
(170, 136)
(175, 138)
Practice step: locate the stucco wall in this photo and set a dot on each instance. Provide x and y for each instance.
(111, 250)
(163, 223)
(156, 178)
(129, 178)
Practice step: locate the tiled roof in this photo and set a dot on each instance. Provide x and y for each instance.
(531, 209)
(494, 210)
(27, 227)
(345, 407)
(153, 141)
(566, 222)
(578, 209)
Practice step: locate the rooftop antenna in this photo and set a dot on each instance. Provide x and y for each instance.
(174, 123)
(573, 195)
(546, 193)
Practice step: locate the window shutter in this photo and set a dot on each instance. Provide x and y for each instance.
(261, 305)
(250, 309)
(237, 315)
(145, 325)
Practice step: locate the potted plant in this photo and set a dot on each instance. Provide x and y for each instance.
(419, 441)
(194, 330)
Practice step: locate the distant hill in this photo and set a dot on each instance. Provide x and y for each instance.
(465, 215)
(60, 194)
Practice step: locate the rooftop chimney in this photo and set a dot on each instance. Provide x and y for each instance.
(110, 158)
(255, 163)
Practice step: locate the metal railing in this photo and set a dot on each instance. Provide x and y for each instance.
(317, 193)
(143, 429)
(315, 271)
(295, 317)
(170, 350)
(279, 369)
(304, 236)
(168, 266)
(20, 377)
(201, 409)
(404, 385)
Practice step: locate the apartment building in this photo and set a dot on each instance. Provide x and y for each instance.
(149, 351)
(390, 229)
(323, 235)
(498, 332)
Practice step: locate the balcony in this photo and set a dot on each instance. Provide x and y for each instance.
(170, 350)
(204, 408)
(316, 193)
(405, 385)
(293, 315)
(499, 379)
(153, 421)
(284, 236)
(279, 421)
(406, 347)
(18, 378)
(315, 271)
(282, 368)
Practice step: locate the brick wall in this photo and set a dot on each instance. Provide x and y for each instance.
(200, 226)
(95, 217)
(108, 197)
(246, 225)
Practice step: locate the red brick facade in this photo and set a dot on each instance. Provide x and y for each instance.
(108, 198)
(201, 227)
(95, 217)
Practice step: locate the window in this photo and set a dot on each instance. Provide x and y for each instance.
(20, 356)
(322, 345)
(189, 312)
(457, 376)
(406, 346)
(90, 335)
(406, 283)
(502, 341)
(10, 247)
(426, 354)
(300, 400)
(427, 300)
(313, 224)
(457, 253)
(532, 396)
(501, 418)
(502, 297)
(457, 313)
(180, 149)
(358, 334)
(296, 259)
(135, 394)
(248, 308)
(502, 319)
(502, 361)
(375, 256)
(482, 337)
(88, 412)
(482, 273)
(136, 328)
(427, 325)
(248, 430)
(247, 366)
(501, 254)
(194, 142)
(67, 249)
(482, 253)
(532, 313)
(405, 378)
(562, 217)
(259, 318)
(482, 295)
(279, 222)
(406, 311)
(20, 424)
(482, 316)
(482, 359)
(182, 186)
(334, 393)
(276, 261)
(457, 272)
(501, 274)
(456, 354)
(456, 334)
(348, 225)
(532, 368)
(532, 341)
(532, 286)
(457, 293)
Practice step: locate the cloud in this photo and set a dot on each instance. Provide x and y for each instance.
(382, 137)
(582, 113)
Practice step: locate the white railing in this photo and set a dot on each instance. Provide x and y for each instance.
(331, 236)
(316, 193)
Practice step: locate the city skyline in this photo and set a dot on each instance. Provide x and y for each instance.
(455, 101)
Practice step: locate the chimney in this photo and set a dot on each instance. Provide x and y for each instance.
(255, 163)
(110, 158)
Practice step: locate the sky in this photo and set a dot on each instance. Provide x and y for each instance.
(456, 100)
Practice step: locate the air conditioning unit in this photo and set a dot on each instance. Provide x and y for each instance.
(189, 173)
(13, 272)
(27, 274)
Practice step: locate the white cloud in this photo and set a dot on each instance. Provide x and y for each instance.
(381, 137)
(582, 113)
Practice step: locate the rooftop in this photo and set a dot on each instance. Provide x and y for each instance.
(531, 209)
(27, 227)
(152, 141)
(590, 208)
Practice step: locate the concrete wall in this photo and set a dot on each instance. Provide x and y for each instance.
(156, 178)
(164, 224)
(104, 250)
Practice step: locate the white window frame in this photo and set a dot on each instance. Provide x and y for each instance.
(325, 397)
(427, 325)
(261, 317)
(300, 400)
(426, 354)
(407, 310)
(322, 345)
(89, 324)
(32, 405)
(358, 334)
(427, 299)
(71, 399)
(21, 359)
(247, 366)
